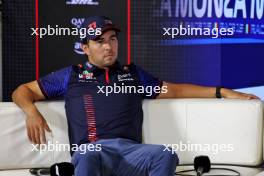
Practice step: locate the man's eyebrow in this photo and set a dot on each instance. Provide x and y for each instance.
(114, 35)
(99, 38)
(102, 38)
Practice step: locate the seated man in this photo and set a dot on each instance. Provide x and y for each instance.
(112, 120)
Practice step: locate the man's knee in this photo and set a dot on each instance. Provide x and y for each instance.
(86, 164)
(87, 157)
(169, 155)
(174, 158)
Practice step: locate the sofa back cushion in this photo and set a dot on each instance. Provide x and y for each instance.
(229, 131)
(16, 149)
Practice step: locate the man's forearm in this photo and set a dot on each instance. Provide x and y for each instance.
(190, 91)
(195, 91)
(25, 96)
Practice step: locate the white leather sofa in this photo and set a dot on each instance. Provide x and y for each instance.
(230, 132)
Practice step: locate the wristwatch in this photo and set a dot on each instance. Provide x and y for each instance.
(218, 92)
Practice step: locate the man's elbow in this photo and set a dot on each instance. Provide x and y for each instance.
(18, 91)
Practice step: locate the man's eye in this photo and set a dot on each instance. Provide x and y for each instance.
(99, 41)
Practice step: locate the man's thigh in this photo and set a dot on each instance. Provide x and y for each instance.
(145, 159)
(120, 157)
(96, 163)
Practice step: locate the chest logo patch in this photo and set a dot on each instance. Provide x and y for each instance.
(125, 77)
(86, 76)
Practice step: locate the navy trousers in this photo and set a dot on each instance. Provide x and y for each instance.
(124, 157)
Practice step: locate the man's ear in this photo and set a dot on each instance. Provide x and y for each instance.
(85, 49)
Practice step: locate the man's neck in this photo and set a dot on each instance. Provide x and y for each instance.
(99, 66)
(94, 64)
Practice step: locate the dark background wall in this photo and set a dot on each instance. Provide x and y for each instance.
(55, 52)
(18, 47)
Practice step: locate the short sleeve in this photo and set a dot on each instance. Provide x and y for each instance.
(55, 84)
(151, 84)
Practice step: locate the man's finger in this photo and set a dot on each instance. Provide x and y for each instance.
(42, 136)
(255, 97)
(29, 133)
(46, 126)
(32, 134)
(36, 136)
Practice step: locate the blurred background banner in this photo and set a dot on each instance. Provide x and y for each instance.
(233, 61)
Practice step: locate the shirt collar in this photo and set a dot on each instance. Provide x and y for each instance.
(93, 68)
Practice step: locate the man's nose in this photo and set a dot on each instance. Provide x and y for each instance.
(107, 46)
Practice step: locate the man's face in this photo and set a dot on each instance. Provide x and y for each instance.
(103, 51)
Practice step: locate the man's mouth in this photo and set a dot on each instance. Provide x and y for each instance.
(109, 55)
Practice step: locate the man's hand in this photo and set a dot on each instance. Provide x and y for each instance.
(227, 93)
(36, 126)
(25, 96)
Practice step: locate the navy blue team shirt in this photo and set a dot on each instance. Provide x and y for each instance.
(91, 115)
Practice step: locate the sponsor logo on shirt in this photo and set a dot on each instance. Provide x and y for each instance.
(86, 76)
(125, 77)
